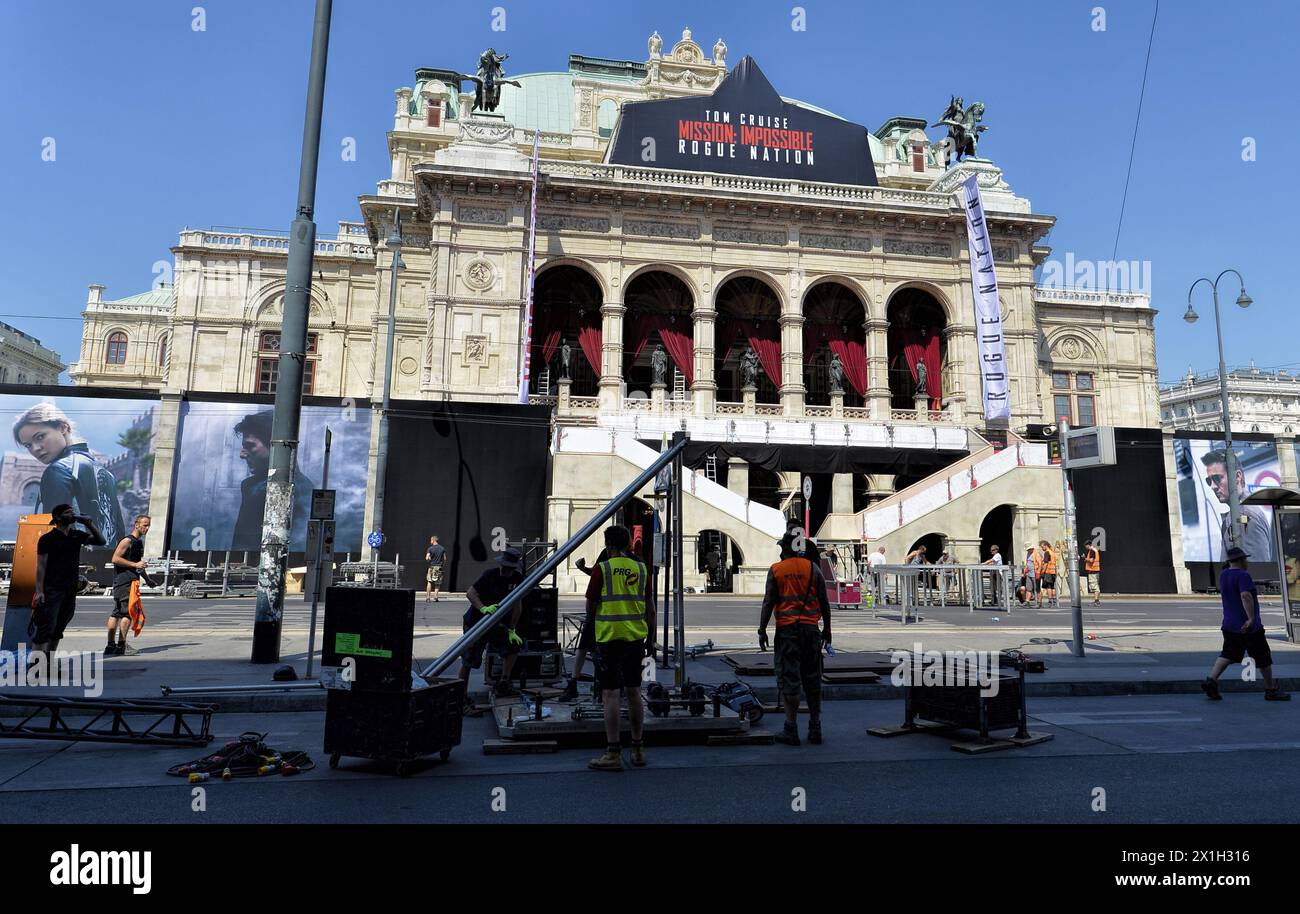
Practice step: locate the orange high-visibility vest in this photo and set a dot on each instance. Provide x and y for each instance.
(1036, 560)
(1049, 562)
(1092, 560)
(796, 599)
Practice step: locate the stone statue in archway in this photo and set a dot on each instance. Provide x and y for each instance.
(922, 390)
(836, 372)
(659, 364)
(749, 368)
(565, 355)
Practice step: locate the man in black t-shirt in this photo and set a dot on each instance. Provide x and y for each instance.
(490, 589)
(128, 567)
(435, 555)
(58, 572)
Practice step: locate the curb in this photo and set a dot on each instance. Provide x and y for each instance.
(769, 694)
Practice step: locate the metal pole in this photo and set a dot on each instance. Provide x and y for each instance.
(665, 608)
(225, 574)
(1230, 456)
(556, 558)
(1071, 546)
(679, 606)
(381, 461)
(278, 516)
(320, 547)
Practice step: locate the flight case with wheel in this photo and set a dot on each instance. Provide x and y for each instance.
(395, 727)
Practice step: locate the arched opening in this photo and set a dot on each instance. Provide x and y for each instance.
(916, 323)
(995, 530)
(31, 493)
(933, 545)
(638, 516)
(658, 328)
(834, 338)
(718, 558)
(764, 486)
(566, 316)
(749, 314)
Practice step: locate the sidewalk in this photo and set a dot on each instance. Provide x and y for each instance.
(186, 653)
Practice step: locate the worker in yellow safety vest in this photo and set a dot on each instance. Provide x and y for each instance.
(620, 610)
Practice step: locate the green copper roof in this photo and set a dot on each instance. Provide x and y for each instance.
(159, 296)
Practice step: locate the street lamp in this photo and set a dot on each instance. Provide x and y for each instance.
(394, 244)
(1230, 457)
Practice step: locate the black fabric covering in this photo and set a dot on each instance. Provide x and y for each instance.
(810, 459)
(460, 470)
(1128, 501)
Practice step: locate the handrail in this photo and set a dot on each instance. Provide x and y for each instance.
(482, 626)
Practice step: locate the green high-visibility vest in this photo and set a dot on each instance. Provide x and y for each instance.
(621, 615)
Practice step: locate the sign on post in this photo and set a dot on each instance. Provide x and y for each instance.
(322, 505)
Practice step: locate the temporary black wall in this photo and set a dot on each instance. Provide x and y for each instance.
(460, 470)
(1128, 501)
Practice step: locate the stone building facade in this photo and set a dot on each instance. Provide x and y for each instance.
(706, 259)
(23, 360)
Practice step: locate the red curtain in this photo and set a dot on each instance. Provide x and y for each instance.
(547, 330)
(853, 355)
(677, 341)
(590, 341)
(926, 351)
(852, 352)
(680, 347)
(764, 338)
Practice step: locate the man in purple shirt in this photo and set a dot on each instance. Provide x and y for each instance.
(1243, 629)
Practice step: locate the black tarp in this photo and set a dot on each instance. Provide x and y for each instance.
(813, 459)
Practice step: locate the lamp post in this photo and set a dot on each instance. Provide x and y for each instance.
(1230, 457)
(394, 245)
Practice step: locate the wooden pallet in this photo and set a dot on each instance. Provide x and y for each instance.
(761, 663)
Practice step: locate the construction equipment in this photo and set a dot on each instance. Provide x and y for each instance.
(153, 723)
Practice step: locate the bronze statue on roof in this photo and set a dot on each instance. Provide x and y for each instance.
(490, 79)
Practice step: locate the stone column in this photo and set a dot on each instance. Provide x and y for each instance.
(565, 386)
(879, 486)
(792, 386)
(952, 390)
(611, 356)
(877, 368)
(704, 389)
(842, 493)
(658, 393)
(837, 404)
(1286, 461)
(166, 428)
(738, 476)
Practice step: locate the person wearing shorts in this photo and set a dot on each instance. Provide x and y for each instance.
(796, 594)
(1048, 588)
(586, 642)
(1243, 629)
(436, 556)
(620, 610)
(1092, 572)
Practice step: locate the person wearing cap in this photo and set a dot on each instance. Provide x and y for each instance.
(1243, 629)
(58, 572)
(796, 593)
(484, 594)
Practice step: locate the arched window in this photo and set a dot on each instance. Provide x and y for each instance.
(31, 493)
(162, 351)
(116, 349)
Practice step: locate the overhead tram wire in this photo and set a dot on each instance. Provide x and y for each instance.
(1136, 123)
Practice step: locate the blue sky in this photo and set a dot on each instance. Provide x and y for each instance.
(158, 126)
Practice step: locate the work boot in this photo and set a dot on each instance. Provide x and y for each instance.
(1276, 695)
(815, 732)
(113, 649)
(570, 692)
(1211, 688)
(638, 754)
(612, 760)
(789, 735)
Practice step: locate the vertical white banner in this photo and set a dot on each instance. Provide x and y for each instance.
(525, 357)
(988, 316)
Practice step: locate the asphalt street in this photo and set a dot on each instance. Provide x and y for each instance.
(1158, 759)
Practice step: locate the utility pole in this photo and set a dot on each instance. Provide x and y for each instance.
(1071, 544)
(278, 514)
(394, 245)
